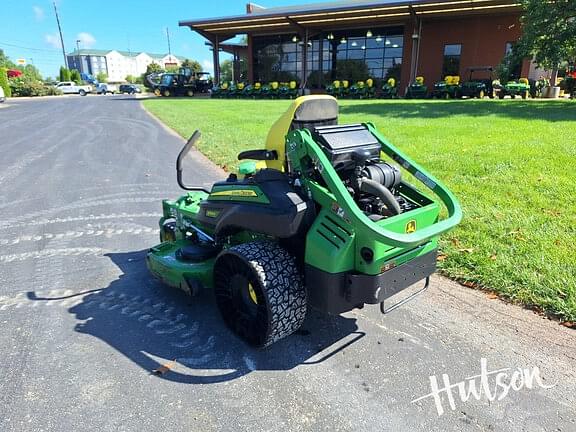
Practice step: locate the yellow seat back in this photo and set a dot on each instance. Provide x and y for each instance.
(240, 86)
(524, 81)
(391, 82)
(292, 85)
(304, 110)
(420, 80)
(274, 85)
(257, 86)
(224, 86)
(345, 83)
(448, 79)
(455, 80)
(360, 84)
(336, 84)
(370, 82)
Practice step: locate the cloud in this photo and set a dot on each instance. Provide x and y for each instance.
(86, 40)
(53, 40)
(38, 13)
(208, 66)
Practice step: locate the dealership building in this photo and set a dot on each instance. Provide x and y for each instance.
(315, 44)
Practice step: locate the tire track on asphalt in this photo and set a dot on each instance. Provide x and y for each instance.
(7, 223)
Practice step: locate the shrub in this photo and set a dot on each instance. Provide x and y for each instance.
(4, 82)
(75, 76)
(64, 74)
(26, 86)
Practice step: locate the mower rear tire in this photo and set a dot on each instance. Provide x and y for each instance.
(260, 292)
(166, 93)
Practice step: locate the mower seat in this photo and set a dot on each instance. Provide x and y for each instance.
(306, 112)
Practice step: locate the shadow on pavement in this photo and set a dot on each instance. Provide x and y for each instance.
(154, 326)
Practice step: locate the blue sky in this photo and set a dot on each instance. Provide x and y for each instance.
(29, 28)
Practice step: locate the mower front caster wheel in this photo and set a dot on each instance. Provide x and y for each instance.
(260, 292)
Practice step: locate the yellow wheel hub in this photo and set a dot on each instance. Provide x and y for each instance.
(252, 293)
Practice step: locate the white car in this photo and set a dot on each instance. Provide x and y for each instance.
(70, 87)
(104, 88)
(2, 97)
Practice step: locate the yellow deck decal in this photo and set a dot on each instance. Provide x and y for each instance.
(236, 192)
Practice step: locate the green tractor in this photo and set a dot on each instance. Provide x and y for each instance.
(389, 89)
(513, 88)
(320, 217)
(447, 89)
(417, 90)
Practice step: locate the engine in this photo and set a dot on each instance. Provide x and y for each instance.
(355, 155)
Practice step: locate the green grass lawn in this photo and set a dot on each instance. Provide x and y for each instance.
(511, 163)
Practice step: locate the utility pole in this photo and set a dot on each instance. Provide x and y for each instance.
(78, 58)
(168, 38)
(60, 31)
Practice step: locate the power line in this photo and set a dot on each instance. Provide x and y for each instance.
(51, 51)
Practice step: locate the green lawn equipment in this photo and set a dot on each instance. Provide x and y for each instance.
(389, 89)
(447, 89)
(363, 89)
(513, 88)
(322, 219)
(221, 91)
(417, 90)
(288, 90)
(271, 90)
(477, 87)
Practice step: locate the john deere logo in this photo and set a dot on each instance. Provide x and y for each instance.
(411, 227)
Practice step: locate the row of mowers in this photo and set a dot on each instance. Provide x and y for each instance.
(362, 89)
(240, 90)
(452, 88)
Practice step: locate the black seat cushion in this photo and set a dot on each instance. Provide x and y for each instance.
(197, 252)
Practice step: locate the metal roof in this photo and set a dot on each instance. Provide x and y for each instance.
(103, 53)
(339, 14)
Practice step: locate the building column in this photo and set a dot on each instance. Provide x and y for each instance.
(408, 58)
(216, 59)
(250, 58)
(304, 61)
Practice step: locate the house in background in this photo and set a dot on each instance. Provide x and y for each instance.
(118, 64)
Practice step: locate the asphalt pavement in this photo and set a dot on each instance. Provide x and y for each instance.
(83, 324)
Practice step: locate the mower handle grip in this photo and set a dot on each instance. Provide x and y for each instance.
(185, 150)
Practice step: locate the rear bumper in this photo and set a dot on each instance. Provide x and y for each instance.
(340, 292)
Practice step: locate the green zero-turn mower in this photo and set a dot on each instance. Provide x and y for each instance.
(323, 219)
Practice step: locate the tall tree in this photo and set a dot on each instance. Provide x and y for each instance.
(75, 76)
(192, 64)
(549, 33)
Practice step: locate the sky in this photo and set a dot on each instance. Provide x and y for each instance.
(29, 31)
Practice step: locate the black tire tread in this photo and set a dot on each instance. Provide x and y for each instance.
(281, 282)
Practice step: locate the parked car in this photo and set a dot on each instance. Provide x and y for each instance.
(129, 88)
(104, 88)
(70, 87)
(2, 97)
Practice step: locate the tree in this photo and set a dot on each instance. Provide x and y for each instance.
(64, 74)
(4, 82)
(549, 33)
(75, 76)
(102, 77)
(192, 64)
(32, 72)
(130, 79)
(5, 61)
(226, 71)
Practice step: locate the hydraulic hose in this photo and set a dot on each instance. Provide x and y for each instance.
(375, 188)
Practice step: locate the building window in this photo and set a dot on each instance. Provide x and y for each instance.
(350, 55)
(451, 64)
